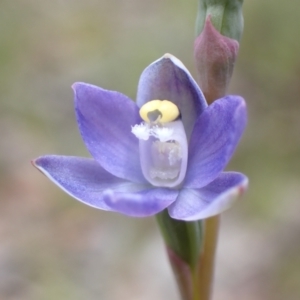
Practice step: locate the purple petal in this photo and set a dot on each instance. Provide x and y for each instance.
(83, 178)
(105, 119)
(214, 139)
(197, 204)
(168, 79)
(143, 203)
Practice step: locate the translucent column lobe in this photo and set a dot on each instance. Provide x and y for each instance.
(164, 155)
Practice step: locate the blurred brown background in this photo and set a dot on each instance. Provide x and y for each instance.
(53, 247)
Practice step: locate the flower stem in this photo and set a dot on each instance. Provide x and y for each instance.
(183, 275)
(184, 247)
(196, 292)
(205, 272)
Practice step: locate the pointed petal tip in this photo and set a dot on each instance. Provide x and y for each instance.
(242, 188)
(175, 61)
(35, 163)
(238, 99)
(240, 102)
(87, 87)
(76, 85)
(241, 112)
(168, 55)
(38, 163)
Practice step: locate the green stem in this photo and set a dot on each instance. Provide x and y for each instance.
(184, 238)
(183, 275)
(196, 291)
(207, 258)
(184, 247)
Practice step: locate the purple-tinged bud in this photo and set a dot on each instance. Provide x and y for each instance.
(215, 56)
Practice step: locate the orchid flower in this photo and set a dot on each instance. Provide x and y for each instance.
(167, 150)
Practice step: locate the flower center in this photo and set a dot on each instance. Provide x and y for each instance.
(163, 143)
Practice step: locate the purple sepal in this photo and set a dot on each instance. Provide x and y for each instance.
(105, 119)
(83, 178)
(213, 199)
(168, 79)
(214, 139)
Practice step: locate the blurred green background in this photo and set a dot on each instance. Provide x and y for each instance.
(53, 247)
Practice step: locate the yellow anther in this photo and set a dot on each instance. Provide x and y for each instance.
(162, 111)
